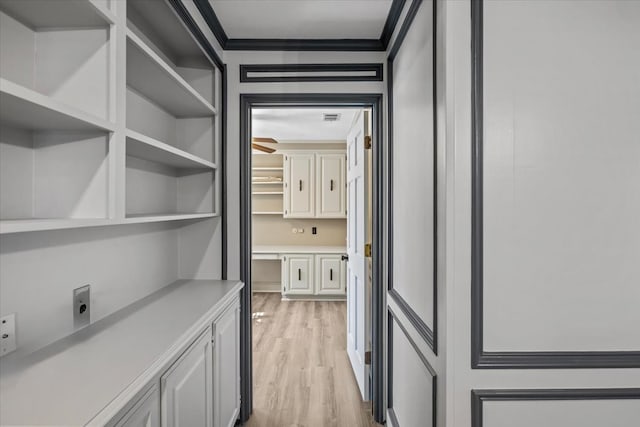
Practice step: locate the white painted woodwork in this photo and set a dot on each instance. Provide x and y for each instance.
(145, 413)
(124, 354)
(187, 387)
(357, 321)
(45, 14)
(412, 386)
(298, 274)
(149, 74)
(42, 61)
(561, 176)
(143, 147)
(413, 175)
(331, 201)
(227, 368)
(299, 188)
(562, 413)
(330, 275)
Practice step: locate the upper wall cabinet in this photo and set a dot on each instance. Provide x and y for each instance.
(299, 186)
(314, 185)
(330, 182)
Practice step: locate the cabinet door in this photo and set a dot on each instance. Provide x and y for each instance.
(298, 275)
(187, 387)
(330, 275)
(331, 199)
(226, 406)
(299, 186)
(145, 413)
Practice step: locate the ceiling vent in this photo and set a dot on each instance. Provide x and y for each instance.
(331, 117)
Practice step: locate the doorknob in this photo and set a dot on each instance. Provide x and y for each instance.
(344, 257)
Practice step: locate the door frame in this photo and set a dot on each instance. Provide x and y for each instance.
(378, 308)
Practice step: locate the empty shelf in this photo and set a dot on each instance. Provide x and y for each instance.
(58, 13)
(144, 147)
(28, 109)
(150, 75)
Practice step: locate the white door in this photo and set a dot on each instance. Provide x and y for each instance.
(329, 275)
(298, 275)
(227, 368)
(330, 186)
(187, 388)
(299, 181)
(357, 202)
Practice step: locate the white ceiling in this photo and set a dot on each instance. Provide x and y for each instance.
(302, 19)
(301, 124)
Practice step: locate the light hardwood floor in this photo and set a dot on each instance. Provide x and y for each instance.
(301, 372)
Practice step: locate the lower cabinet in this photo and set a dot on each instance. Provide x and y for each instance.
(187, 387)
(313, 274)
(298, 274)
(146, 413)
(330, 275)
(200, 389)
(226, 370)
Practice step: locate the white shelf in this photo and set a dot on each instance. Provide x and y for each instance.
(150, 75)
(268, 193)
(267, 183)
(58, 13)
(267, 213)
(28, 225)
(25, 108)
(265, 168)
(144, 147)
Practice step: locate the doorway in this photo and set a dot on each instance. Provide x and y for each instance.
(266, 102)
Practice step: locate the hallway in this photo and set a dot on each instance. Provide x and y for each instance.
(301, 371)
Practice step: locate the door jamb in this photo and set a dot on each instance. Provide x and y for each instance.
(378, 309)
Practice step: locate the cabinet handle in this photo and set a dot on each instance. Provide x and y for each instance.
(300, 185)
(331, 185)
(299, 274)
(331, 274)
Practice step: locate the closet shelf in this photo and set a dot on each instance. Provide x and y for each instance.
(59, 14)
(267, 213)
(151, 76)
(27, 225)
(144, 147)
(268, 193)
(266, 182)
(28, 109)
(268, 168)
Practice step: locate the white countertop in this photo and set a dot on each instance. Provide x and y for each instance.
(299, 249)
(99, 368)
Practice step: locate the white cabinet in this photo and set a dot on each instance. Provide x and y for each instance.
(146, 413)
(298, 274)
(299, 182)
(330, 186)
(227, 367)
(330, 275)
(187, 387)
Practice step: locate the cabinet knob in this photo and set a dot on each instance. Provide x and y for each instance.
(331, 185)
(331, 274)
(300, 185)
(299, 274)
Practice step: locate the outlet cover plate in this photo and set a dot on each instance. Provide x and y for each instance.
(81, 306)
(7, 334)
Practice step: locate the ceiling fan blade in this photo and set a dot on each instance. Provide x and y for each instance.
(263, 148)
(269, 140)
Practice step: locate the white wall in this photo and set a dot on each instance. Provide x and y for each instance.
(561, 202)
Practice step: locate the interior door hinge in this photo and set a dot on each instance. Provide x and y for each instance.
(367, 250)
(367, 142)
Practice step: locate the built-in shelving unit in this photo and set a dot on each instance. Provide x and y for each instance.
(66, 95)
(267, 184)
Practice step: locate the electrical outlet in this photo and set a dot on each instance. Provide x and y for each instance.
(314, 230)
(81, 306)
(7, 334)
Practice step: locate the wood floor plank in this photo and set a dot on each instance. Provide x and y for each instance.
(301, 371)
